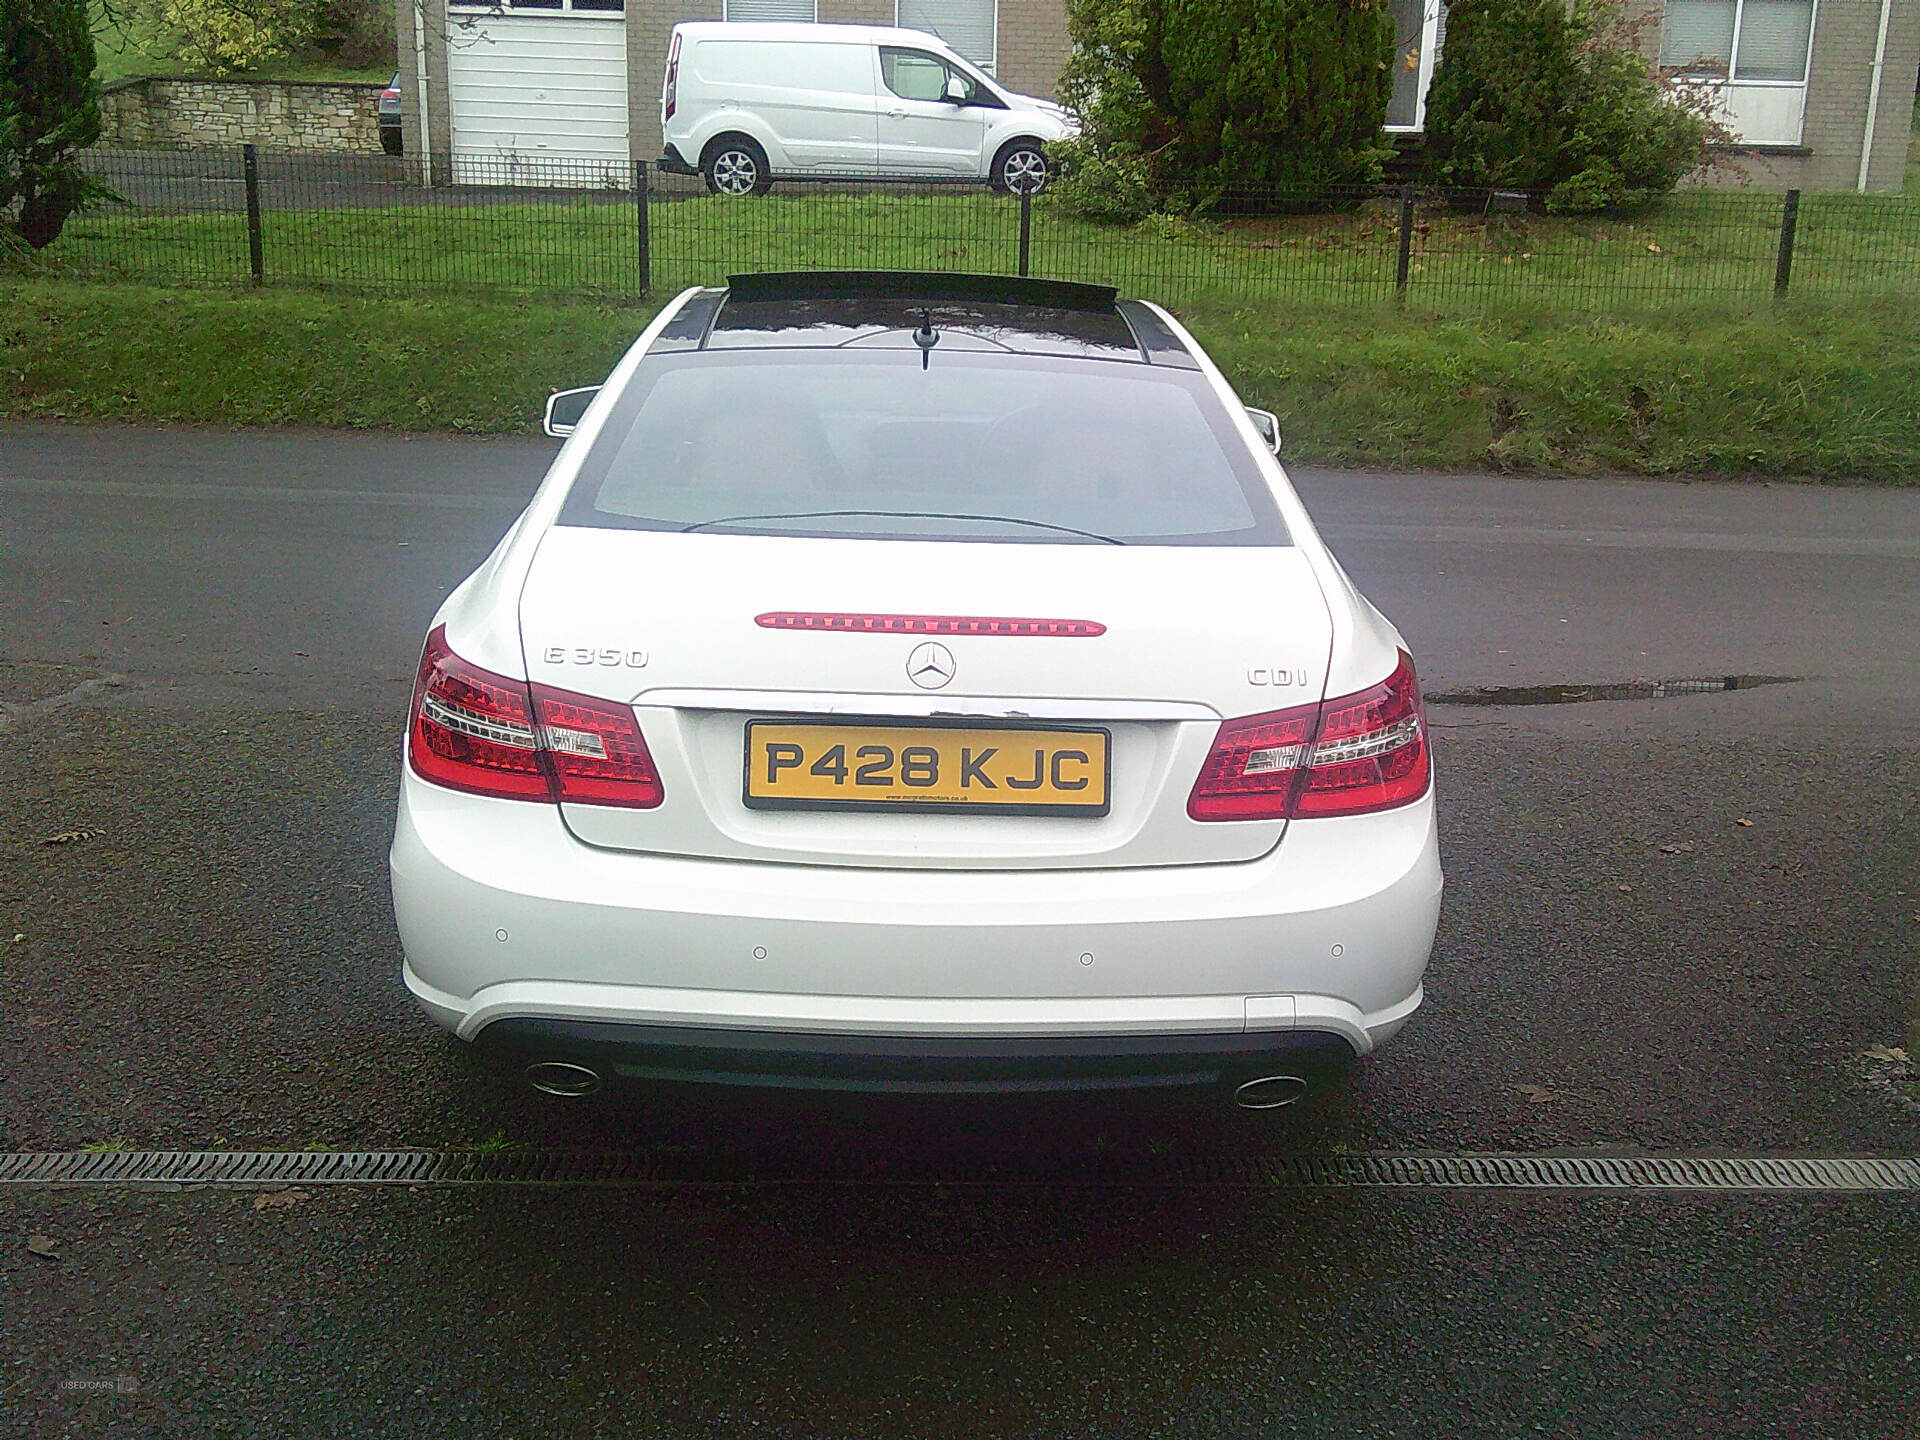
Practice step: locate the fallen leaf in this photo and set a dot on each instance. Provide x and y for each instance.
(1655, 249)
(71, 837)
(1538, 1094)
(1885, 1052)
(1685, 847)
(44, 1245)
(278, 1199)
(1626, 889)
(1744, 821)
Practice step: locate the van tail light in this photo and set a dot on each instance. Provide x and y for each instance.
(487, 734)
(1352, 756)
(673, 79)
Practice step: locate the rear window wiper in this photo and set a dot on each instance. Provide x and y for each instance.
(898, 515)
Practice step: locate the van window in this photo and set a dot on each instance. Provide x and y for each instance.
(801, 65)
(916, 75)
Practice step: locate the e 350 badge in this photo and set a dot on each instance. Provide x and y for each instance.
(608, 656)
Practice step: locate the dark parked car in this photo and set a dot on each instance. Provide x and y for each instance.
(390, 117)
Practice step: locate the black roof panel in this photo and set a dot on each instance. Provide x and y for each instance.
(920, 285)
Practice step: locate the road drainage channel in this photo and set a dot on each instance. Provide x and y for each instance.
(1623, 690)
(175, 1168)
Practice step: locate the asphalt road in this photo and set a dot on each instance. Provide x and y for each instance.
(1676, 925)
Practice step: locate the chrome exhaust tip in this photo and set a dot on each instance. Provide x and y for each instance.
(1269, 1092)
(562, 1077)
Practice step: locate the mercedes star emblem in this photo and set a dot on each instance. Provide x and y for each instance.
(930, 666)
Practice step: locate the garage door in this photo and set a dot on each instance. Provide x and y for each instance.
(539, 100)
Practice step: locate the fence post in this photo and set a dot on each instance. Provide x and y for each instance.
(250, 160)
(646, 230)
(1789, 222)
(1403, 265)
(1026, 226)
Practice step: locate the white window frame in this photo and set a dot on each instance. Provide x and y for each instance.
(991, 65)
(1429, 57)
(1732, 90)
(1733, 76)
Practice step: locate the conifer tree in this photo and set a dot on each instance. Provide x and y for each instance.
(49, 109)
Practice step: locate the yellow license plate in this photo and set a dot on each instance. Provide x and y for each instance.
(810, 766)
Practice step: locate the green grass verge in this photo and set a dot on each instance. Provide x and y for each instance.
(112, 352)
(1807, 391)
(1697, 246)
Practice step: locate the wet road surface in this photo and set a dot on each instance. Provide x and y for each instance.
(206, 643)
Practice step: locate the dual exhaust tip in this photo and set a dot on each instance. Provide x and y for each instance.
(571, 1081)
(563, 1078)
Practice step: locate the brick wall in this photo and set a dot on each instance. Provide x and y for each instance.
(1032, 45)
(275, 115)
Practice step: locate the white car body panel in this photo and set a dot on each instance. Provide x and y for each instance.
(1183, 625)
(1185, 948)
(704, 914)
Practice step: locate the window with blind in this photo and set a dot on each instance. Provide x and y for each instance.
(1759, 41)
(967, 25)
(804, 11)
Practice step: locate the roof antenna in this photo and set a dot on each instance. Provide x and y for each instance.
(926, 337)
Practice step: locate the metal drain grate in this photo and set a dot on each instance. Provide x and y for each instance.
(574, 1167)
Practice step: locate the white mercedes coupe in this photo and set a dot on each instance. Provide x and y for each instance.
(916, 682)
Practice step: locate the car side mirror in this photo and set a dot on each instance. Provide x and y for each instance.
(564, 409)
(956, 90)
(1268, 424)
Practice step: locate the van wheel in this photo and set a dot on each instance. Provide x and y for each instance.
(735, 165)
(1020, 166)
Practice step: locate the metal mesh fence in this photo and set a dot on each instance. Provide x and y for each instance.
(605, 230)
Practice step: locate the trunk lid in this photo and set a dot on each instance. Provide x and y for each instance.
(668, 622)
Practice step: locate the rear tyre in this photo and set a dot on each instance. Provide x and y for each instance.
(1021, 166)
(735, 165)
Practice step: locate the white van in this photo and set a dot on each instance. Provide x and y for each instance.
(743, 103)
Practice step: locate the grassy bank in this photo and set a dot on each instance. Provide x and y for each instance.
(1805, 392)
(1695, 246)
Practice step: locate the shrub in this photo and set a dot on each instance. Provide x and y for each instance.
(1629, 142)
(1530, 96)
(1497, 107)
(49, 109)
(1207, 102)
(1114, 188)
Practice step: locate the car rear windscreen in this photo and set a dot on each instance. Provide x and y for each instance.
(975, 445)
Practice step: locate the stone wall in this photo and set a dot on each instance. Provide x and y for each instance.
(273, 114)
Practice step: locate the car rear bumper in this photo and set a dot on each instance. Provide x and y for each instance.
(671, 163)
(508, 921)
(892, 1063)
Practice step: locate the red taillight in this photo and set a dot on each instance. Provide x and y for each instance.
(472, 729)
(595, 751)
(489, 735)
(673, 77)
(1351, 756)
(862, 624)
(390, 93)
